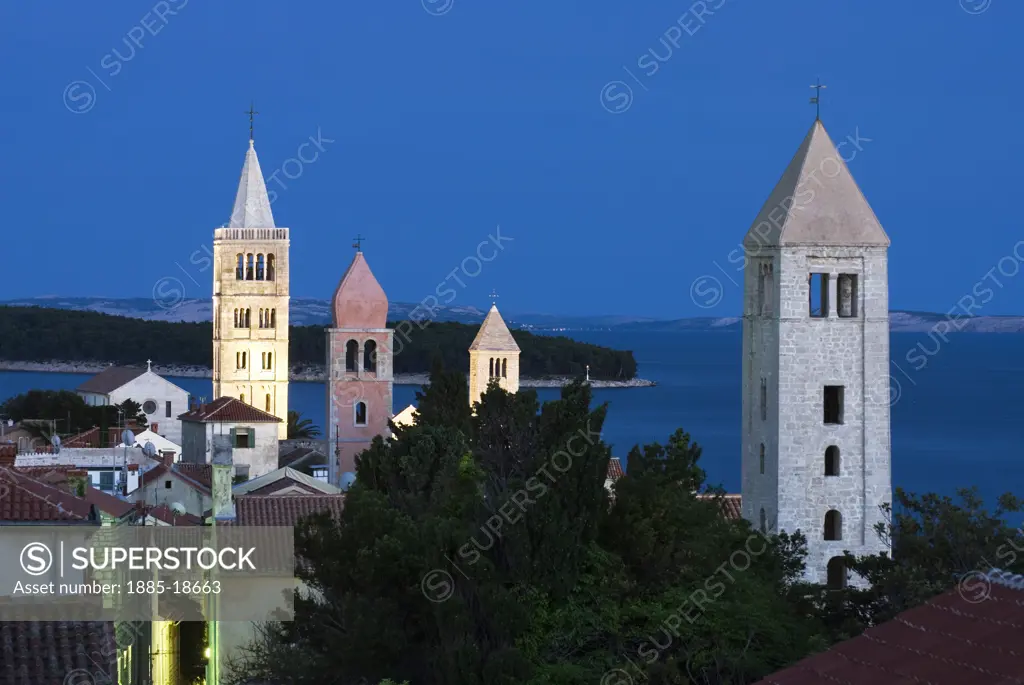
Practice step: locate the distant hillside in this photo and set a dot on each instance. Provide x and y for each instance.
(39, 334)
(313, 312)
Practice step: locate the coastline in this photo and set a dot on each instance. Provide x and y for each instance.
(306, 374)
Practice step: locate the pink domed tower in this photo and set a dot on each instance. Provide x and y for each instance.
(359, 382)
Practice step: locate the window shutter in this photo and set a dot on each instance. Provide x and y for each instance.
(252, 437)
(234, 439)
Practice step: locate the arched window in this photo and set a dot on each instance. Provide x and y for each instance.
(238, 360)
(245, 359)
(836, 573)
(833, 525)
(270, 267)
(268, 403)
(351, 355)
(273, 318)
(236, 318)
(504, 368)
(762, 457)
(270, 360)
(370, 356)
(263, 360)
(259, 267)
(239, 266)
(360, 413)
(261, 317)
(242, 397)
(248, 318)
(490, 373)
(832, 461)
(248, 267)
(764, 521)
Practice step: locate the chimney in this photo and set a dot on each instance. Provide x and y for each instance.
(167, 457)
(78, 482)
(223, 476)
(154, 427)
(132, 484)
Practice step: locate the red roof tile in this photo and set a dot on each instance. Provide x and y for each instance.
(732, 505)
(166, 515)
(89, 438)
(615, 471)
(963, 637)
(198, 476)
(23, 499)
(55, 652)
(200, 473)
(283, 510)
(228, 410)
(108, 504)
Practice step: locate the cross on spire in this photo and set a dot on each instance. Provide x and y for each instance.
(358, 244)
(816, 99)
(252, 113)
(494, 298)
(149, 365)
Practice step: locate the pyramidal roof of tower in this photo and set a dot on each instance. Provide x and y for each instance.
(816, 202)
(359, 301)
(252, 205)
(494, 335)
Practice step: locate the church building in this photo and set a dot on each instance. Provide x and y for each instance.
(359, 370)
(250, 301)
(494, 354)
(815, 434)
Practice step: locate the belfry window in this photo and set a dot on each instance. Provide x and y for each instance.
(270, 267)
(832, 461)
(261, 317)
(259, 267)
(817, 296)
(273, 318)
(504, 368)
(846, 285)
(249, 268)
(490, 372)
(764, 399)
(370, 356)
(268, 403)
(360, 410)
(239, 267)
(833, 525)
(248, 318)
(351, 355)
(764, 521)
(762, 458)
(836, 573)
(833, 404)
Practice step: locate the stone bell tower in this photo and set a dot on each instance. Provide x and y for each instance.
(250, 301)
(359, 382)
(815, 434)
(493, 354)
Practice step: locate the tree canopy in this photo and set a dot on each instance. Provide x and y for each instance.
(39, 334)
(68, 412)
(483, 548)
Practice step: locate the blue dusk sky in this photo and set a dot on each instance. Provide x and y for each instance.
(624, 147)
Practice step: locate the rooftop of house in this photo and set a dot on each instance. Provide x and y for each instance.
(283, 510)
(285, 481)
(228, 410)
(168, 516)
(302, 456)
(972, 635)
(110, 379)
(29, 500)
(50, 652)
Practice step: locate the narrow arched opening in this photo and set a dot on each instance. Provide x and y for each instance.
(832, 461)
(370, 356)
(360, 413)
(351, 355)
(833, 525)
(835, 573)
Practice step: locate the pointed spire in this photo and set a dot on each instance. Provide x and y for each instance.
(252, 204)
(359, 301)
(494, 335)
(816, 202)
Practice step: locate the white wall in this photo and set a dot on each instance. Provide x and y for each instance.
(150, 386)
(197, 443)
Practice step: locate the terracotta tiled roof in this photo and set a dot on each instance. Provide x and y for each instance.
(108, 504)
(164, 514)
(110, 379)
(973, 635)
(89, 438)
(28, 500)
(198, 476)
(200, 473)
(301, 454)
(228, 410)
(8, 455)
(615, 471)
(732, 505)
(283, 510)
(55, 652)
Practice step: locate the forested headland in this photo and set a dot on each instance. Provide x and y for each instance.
(38, 334)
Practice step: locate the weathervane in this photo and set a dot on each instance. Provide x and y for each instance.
(816, 100)
(494, 298)
(252, 113)
(358, 244)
